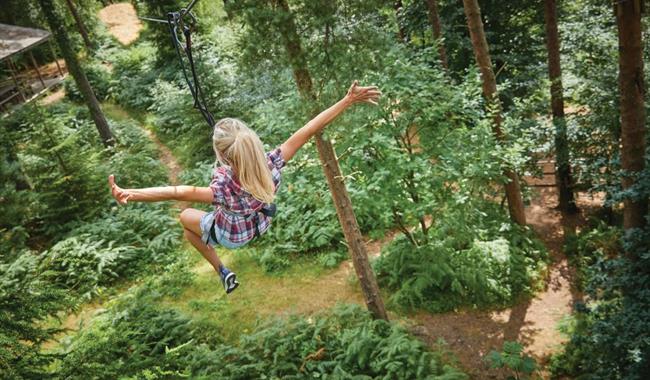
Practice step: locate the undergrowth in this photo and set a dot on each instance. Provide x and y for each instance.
(136, 338)
(474, 263)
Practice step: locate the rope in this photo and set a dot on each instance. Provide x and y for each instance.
(176, 20)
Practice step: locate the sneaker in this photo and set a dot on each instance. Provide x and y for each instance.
(228, 279)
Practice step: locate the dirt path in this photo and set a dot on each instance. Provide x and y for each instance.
(122, 22)
(473, 334)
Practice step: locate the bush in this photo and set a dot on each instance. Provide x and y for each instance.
(82, 263)
(120, 244)
(610, 336)
(134, 72)
(136, 340)
(465, 262)
(590, 246)
(99, 77)
(513, 358)
(27, 300)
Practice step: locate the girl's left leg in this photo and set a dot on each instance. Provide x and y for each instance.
(191, 220)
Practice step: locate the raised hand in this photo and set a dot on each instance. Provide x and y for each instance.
(118, 193)
(358, 94)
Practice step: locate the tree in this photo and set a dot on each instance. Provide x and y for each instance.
(436, 28)
(61, 37)
(482, 55)
(563, 168)
(632, 88)
(401, 31)
(80, 25)
(328, 159)
(159, 33)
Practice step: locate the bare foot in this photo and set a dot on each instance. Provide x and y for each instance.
(120, 195)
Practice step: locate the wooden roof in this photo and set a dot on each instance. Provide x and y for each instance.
(16, 39)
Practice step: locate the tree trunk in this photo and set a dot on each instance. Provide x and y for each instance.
(632, 89)
(482, 55)
(328, 159)
(401, 31)
(61, 37)
(80, 24)
(563, 168)
(436, 27)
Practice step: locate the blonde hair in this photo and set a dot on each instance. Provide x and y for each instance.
(239, 147)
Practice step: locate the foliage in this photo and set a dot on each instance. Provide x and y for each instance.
(468, 260)
(133, 72)
(56, 171)
(513, 358)
(610, 340)
(600, 242)
(119, 245)
(27, 299)
(136, 339)
(159, 33)
(59, 167)
(99, 77)
(59, 162)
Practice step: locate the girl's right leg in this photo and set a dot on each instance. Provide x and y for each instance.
(191, 220)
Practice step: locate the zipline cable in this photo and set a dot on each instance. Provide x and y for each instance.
(176, 21)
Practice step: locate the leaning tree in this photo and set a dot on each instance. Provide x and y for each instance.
(277, 15)
(57, 27)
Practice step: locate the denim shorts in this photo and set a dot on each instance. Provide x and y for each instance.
(206, 223)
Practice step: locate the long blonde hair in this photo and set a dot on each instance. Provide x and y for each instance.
(239, 147)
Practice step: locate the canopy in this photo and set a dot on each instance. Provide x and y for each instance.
(16, 39)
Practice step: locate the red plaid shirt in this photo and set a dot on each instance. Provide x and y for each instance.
(232, 203)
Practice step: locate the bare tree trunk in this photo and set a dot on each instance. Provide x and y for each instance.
(80, 25)
(632, 89)
(60, 34)
(328, 159)
(482, 55)
(436, 27)
(563, 168)
(401, 31)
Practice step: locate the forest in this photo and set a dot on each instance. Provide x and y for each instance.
(486, 219)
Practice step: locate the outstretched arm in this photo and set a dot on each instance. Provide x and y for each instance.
(356, 94)
(164, 193)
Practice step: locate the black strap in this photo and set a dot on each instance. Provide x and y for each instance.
(175, 20)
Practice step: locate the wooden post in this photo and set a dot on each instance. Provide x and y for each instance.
(58, 67)
(38, 72)
(12, 70)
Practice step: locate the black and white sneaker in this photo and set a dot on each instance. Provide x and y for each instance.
(229, 280)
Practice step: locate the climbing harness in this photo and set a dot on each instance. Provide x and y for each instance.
(267, 210)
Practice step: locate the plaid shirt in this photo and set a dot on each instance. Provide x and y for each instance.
(232, 203)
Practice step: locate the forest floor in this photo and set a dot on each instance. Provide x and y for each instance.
(469, 334)
(534, 322)
(308, 288)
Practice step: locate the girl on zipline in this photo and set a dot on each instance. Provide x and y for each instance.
(243, 184)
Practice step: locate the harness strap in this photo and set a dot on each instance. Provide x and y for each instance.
(268, 211)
